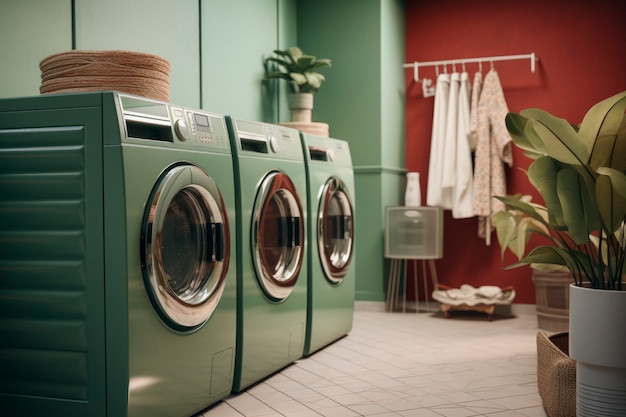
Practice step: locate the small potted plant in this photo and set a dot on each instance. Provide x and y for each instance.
(300, 72)
(579, 171)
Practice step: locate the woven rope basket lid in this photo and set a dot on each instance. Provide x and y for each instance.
(136, 73)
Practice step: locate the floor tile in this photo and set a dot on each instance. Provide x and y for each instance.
(406, 365)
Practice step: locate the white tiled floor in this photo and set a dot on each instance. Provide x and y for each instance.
(395, 364)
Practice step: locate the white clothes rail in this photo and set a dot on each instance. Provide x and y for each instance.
(415, 65)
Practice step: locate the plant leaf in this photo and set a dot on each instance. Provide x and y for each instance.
(611, 205)
(560, 140)
(515, 203)
(521, 130)
(571, 197)
(618, 179)
(600, 131)
(577, 262)
(542, 174)
(505, 231)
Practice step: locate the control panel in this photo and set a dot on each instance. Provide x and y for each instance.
(153, 120)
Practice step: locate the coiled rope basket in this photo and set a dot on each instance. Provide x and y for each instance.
(136, 73)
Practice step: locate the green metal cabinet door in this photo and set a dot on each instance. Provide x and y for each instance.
(51, 263)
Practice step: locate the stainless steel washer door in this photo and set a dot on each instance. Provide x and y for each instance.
(185, 247)
(277, 236)
(335, 230)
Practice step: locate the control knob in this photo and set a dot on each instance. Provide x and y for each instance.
(182, 130)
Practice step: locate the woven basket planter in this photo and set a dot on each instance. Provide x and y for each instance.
(556, 375)
(136, 73)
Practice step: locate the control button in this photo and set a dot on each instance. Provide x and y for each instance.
(331, 155)
(182, 130)
(273, 144)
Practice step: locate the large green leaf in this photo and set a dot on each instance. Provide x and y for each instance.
(571, 199)
(611, 205)
(599, 131)
(515, 203)
(521, 130)
(618, 179)
(506, 232)
(577, 262)
(560, 140)
(542, 174)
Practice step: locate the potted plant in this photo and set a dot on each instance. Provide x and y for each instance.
(579, 171)
(300, 72)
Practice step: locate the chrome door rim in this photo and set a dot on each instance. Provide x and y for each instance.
(277, 279)
(187, 306)
(335, 259)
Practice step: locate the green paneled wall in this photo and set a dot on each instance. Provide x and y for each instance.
(161, 27)
(347, 32)
(215, 47)
(29, 31)
(393, 97)
(363, 102)
(236, 34)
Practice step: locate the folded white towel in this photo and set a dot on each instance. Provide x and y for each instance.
(466, 294)
(489, 291)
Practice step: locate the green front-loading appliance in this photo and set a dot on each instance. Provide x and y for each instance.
(117, 289)
(331, 272)
(271, 245)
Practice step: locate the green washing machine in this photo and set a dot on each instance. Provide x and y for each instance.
(117, 288)
(331, 272)
(271, 244)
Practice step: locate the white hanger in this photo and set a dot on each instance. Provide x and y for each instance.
(428, 88)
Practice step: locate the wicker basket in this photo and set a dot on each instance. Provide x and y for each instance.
(129, 72)
(556, 375)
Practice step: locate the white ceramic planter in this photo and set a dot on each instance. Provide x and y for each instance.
(301, 107)
(597, 341)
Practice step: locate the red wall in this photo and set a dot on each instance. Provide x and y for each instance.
(582, 51)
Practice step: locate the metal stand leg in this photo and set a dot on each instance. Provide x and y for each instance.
(415, 286)
(391, 283)
(397, 283)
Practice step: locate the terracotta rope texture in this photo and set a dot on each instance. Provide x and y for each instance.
(136, 73)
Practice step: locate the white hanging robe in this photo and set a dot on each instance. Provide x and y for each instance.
(464, 173)
(448, 180)
(493, 150)
(435, 164)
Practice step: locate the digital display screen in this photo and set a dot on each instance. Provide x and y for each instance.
(201, 119)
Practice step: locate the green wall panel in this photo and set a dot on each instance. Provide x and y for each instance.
(30, 31)
(347, 32)
(162, 27)
(236, 36)
(363, 102)
(393, 74)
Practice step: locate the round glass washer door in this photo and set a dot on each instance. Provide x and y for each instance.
(185, 247)
(277, 236)
(335, 230)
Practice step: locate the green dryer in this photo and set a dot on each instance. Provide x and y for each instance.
(117, 289)
(331, 272)
(271, 244)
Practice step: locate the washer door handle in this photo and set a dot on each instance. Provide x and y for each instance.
(217, 231)
(290, 232)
